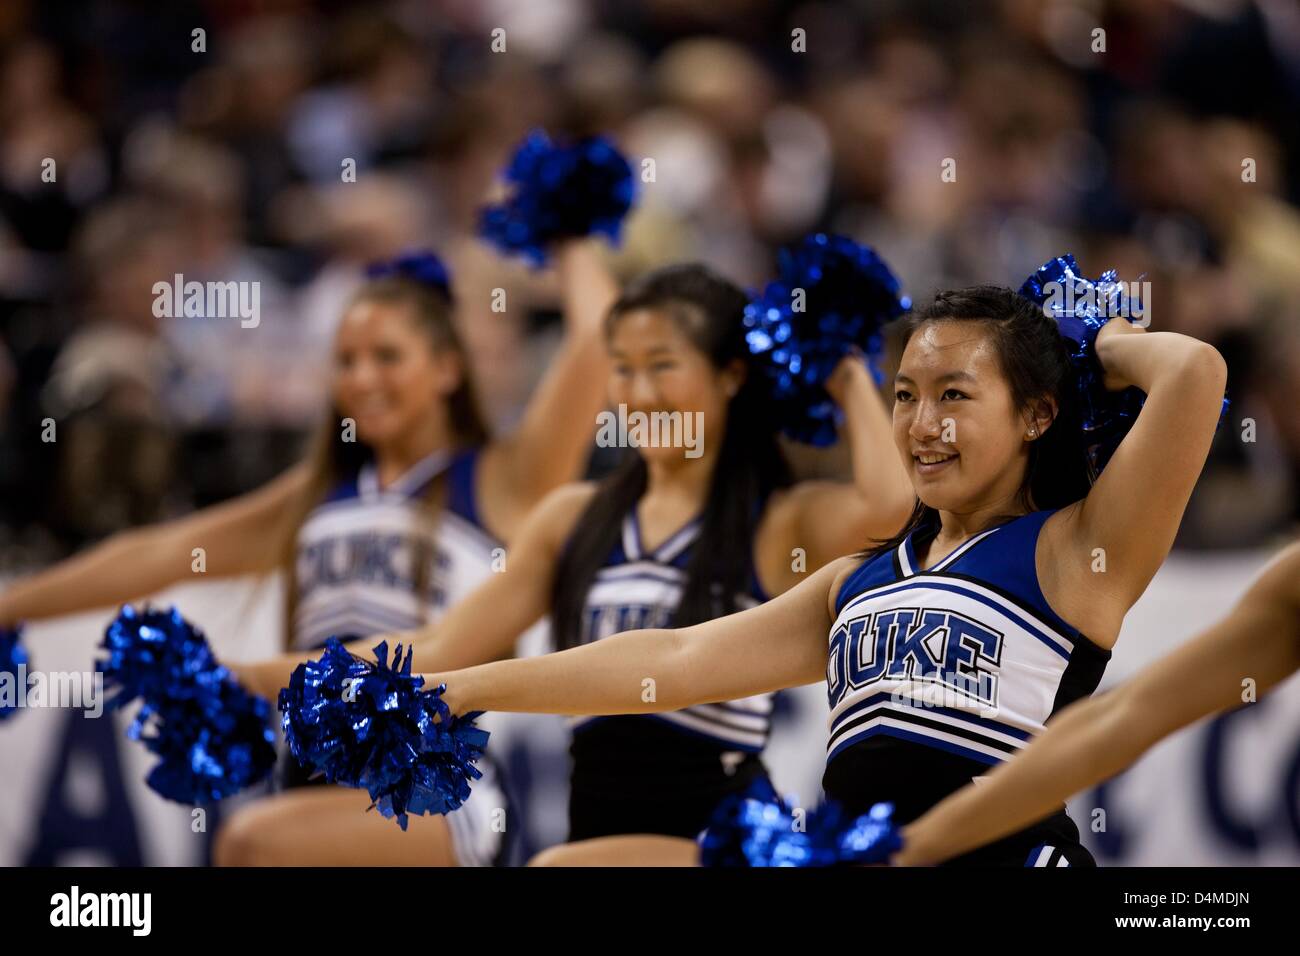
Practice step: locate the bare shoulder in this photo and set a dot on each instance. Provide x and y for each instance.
(781, 504)
(557, 514)
(838, 572)
(780, 536)
(776, 533)
(1076, 579)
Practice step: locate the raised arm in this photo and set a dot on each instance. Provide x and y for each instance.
(1094, 739)
(778, 644)
(829, 519)
(484, 625)
(1133, 511)
(551, 444)
(136, 563)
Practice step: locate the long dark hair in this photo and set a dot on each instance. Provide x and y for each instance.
(330, 459)
(750, 463)
(1035, 361)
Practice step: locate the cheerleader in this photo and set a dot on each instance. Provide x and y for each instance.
(1093, 740)
(397, 512)
(946, 648)
(671, 538)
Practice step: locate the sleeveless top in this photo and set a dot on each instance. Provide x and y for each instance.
(371, 561)
(934, 675)
(641, 588)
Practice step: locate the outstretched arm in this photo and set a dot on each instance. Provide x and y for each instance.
(778, 644)
(551, 444)
(1095, 739)
(136, 563)
(483, 626)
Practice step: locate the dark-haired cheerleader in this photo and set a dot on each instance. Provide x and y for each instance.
(394, 515)
(683, 532)
(946, 649)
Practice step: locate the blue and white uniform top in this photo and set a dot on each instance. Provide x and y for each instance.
(965, 657)
(641, 588)
(373, 561)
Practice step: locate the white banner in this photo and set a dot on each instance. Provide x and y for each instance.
(1225, 792)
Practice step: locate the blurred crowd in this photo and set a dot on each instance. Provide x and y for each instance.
(143, 140)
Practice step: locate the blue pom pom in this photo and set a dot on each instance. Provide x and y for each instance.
(746, 827)
(13, 670)
(559, 192)
(832, 294)
(419, 266)
(1081, 307)
(372, 727)
(757, 828)
(871, 838)
(213, 738)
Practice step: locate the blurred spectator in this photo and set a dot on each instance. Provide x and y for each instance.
(968, 142)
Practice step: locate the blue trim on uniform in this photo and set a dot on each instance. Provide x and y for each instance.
(931, 583)
(618, 556)
(947, 711)
(1008, 567)
(879, 569)
(342, 491)
(909, 549)
(1029, 527)
(462, 497)
(646, 574)
(681, 560)
(384, 618)
(911, 737)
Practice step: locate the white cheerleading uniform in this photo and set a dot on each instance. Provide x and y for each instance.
(935, 675)
(362, 551)
(658, 773)
(373, 560)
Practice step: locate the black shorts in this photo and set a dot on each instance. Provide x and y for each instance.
(643, 775)
(914, 778)
(1051, 842)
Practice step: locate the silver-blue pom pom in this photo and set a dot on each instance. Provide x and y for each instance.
(1081, 308)
(757, 828)
(13, 671)
(372, 726)
(213, 738)
(559, 192)
(832, 294)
